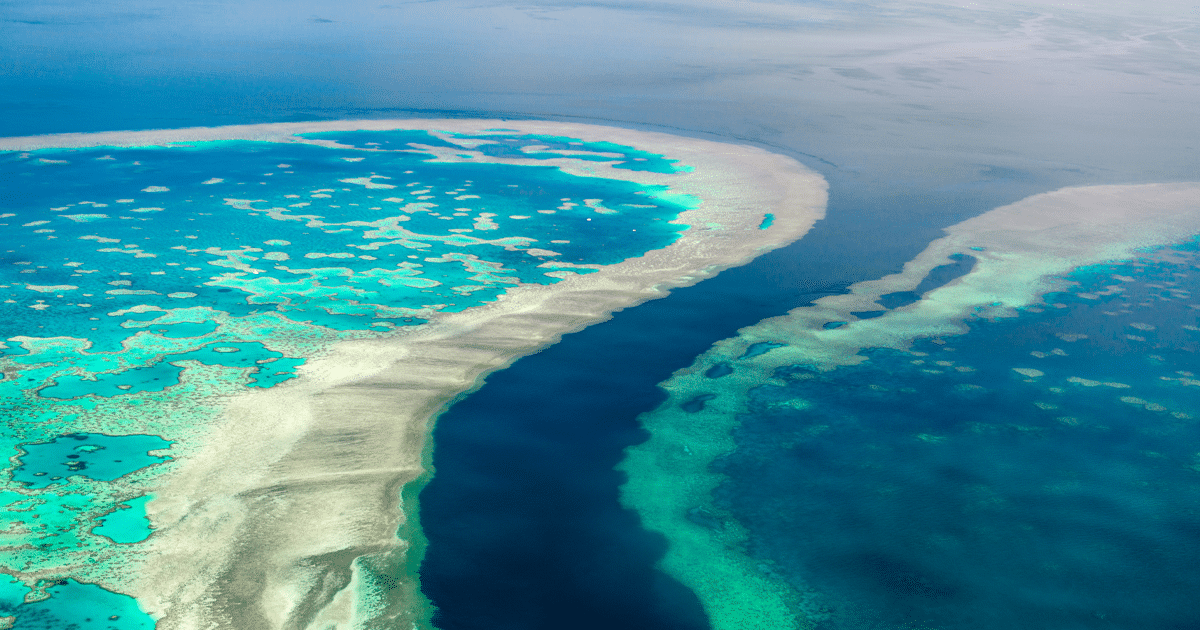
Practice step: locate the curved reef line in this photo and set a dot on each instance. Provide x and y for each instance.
(1020, 249)
(285, 516)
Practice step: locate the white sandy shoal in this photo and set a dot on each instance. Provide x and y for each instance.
(1025, 246)
(259, 529)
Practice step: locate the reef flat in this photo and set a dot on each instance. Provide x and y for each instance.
(256, 326)
(810, 407)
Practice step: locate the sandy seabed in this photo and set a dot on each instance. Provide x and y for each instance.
(287, 515)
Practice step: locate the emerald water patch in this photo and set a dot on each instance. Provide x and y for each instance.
(128, 523)
(76, 606)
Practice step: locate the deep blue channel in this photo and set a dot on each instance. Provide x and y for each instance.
(522, 515)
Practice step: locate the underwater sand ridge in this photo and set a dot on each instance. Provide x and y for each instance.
(1019, 248)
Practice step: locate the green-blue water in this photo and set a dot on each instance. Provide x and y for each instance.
(1035, 472)
(138, 285)
(128, 523)
(72, 606)
(531, 146)
(95, 456)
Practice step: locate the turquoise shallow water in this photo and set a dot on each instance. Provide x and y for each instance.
(139, 285)
(1036, 472)
(95, 456)
(530, 146)
(128, 523)
(72, 605)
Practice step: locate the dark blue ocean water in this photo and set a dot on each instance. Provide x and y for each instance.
(524, 526)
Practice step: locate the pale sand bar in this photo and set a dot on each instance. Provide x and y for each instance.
(280, 517)
(1024, 246)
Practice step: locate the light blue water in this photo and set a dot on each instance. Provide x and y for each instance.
(75, 606)
(266, 368)
(344, 222)
(530, 146)
(139, 285)
(128, 524)
(92, 455)
(943, 488)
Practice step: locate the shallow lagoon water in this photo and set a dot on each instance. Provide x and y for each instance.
(95, 456)
(143, 284)
(128, 523)
(75, 605)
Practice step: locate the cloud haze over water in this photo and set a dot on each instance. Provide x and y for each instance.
(1083, 90)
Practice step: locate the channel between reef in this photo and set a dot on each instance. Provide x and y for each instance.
(1021, 249)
